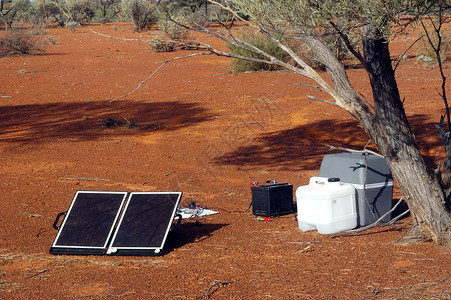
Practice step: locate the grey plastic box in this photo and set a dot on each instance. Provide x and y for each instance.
(371, 177)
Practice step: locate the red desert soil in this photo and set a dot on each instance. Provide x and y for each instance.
(207, 132)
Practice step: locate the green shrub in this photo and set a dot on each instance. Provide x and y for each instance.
(17, 42)
(173, 30)
(303, 51)
(72, 25)
(261, 42)
(141, 12)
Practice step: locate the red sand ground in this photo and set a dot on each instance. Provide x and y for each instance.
(221, 132)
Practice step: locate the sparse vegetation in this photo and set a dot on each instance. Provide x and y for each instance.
(141, 12)
(172, 29)
(18, 42)
(73, 26)
(261, 42)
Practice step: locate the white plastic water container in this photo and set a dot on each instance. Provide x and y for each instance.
(327, 205)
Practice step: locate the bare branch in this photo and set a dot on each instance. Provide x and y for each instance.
(355, 151)
(63, 9)
(158, 69)
(399, 60)
(227, 8)
(215, 284)
(321, 100)
(348, 44)
(309, 85)
(378, 223)
(237, 42)
(366, 100)
(437, 50)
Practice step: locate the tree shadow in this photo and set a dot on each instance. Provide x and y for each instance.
(298, 148)
(303, 147)
(40, 123)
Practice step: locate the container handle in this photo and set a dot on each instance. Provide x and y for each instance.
(57, 220)
(323, 180)
(318, 180)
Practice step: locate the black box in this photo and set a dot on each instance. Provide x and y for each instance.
(272, 199)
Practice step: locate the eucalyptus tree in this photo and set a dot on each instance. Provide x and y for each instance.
(13, 11)
(366, 28)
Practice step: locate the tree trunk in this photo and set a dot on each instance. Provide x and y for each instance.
(390, 131)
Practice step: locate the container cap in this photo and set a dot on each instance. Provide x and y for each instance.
(333, 179)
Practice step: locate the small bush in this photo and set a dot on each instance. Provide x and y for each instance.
(18, 42)
(173, 30)
(159, 44)
(263, 43)
(72, 25)
(142, 14)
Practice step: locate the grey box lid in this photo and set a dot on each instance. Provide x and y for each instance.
(352, 167)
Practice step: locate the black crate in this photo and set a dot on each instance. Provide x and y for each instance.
(272, 199)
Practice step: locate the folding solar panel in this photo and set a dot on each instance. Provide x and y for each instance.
(110, 223)
(89, 223)
(145, 223)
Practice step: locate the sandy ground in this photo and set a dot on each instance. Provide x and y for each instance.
(208, 132)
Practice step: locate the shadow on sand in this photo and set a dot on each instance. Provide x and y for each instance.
(190, 232)
(39, 123)
(304, 146)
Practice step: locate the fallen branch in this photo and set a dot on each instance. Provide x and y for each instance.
(302, 243)
(83, 178)
(305, 249)
(107, 295)
(354, 151)
(377, 223)
(118, 38)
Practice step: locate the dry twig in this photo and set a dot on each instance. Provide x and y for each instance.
(215, 284)
(83, 178)
(36, 274)
(158, 69)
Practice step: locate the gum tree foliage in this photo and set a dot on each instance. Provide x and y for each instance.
(366, 27)
(48, 11)
(80, 11)
(193, 11)
(192, 5)
(13, 11)
(109, 9)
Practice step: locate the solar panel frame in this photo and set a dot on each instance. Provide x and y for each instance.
(60, 246)
(164, 226)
